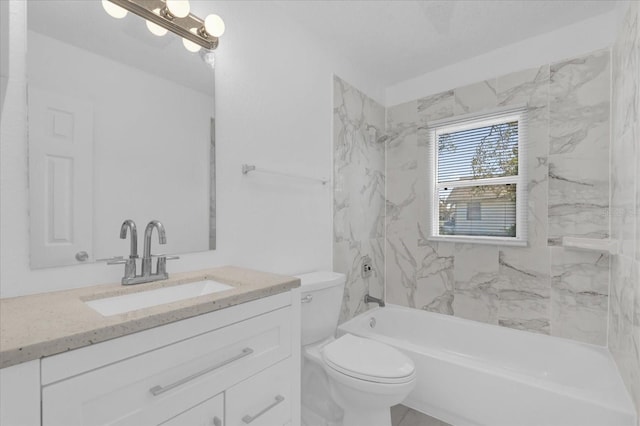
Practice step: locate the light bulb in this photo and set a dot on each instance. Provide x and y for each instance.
(208, 57)
(114, 10)
(178, 8)
(190, 46)
(214, 25)
(156, 29)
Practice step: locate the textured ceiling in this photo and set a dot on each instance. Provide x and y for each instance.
(398, 40)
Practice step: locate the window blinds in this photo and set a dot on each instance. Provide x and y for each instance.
(479, 186)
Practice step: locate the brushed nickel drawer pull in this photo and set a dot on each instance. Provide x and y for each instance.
(248, 419)
(157, 390)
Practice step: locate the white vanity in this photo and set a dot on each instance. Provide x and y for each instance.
(237, 364)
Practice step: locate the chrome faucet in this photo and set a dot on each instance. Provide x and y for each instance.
(370, 299)
(130, 265)
(146, 274)
(162, 239)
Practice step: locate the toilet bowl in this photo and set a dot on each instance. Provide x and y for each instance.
(366, 378)
(362, 378)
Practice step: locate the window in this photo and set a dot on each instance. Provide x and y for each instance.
(479, 186)
(474, 211)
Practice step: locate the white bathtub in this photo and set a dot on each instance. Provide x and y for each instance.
(474, 374)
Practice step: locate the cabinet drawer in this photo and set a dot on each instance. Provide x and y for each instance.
(149, 388)
(262, 400)
(207, 413)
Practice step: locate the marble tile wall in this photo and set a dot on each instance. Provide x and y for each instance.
(359, 193)
(624, 308)
(542, 288)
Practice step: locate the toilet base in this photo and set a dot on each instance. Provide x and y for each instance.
(359, 417)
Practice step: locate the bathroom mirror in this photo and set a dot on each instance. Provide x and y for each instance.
(121, 126)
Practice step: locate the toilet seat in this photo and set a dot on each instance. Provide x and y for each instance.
(368, 360)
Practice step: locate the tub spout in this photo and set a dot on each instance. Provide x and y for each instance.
(370, 299)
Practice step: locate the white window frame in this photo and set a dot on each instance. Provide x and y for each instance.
(466, 122)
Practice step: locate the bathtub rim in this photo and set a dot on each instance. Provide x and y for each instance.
(626, 407)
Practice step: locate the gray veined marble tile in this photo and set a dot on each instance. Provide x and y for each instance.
(625, 76)
(530, 87)
(401, 194)
(475, 97)
(359, 193)
(401, 147)
(434, 278)
(637, 207)
(538, 179)
(401, 266)
(624, 331)
(622, 304)
(376, 283)
(358, 126)
(424, 190)
(623, 192)
(578, 198)
(436, 107)
(524, 289)
(359, 162)
(579, 295)
(475, 271)
(625, 132)
(579, 148)
(579, 94)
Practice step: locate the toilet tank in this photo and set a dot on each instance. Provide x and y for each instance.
(321, 301)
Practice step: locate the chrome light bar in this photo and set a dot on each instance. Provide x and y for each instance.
(190, 27)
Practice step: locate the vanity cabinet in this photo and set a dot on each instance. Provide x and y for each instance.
(236, 366)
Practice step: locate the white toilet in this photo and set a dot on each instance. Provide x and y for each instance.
(362, 376)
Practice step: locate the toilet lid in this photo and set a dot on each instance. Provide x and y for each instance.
(368, 359)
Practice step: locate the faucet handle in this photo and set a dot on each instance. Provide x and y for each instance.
(165, 256)
(115, 260)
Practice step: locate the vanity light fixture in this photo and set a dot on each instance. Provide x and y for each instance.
(174, 16)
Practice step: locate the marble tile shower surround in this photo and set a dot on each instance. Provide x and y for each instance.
(359, 193)
(624, 304)
(542, 288)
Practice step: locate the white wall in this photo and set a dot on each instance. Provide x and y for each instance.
(573, 40)
(273, 109)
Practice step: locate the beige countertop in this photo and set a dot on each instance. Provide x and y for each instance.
(32, 327)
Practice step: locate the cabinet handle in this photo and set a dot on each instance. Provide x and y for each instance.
(248, 419)
(157, 390)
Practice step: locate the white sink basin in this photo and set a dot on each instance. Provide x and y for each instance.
(145, 299)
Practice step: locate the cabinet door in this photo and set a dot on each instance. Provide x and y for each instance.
(20, 394)
(265, 399)
(209, 413)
